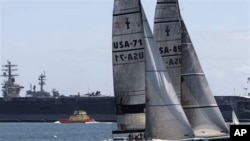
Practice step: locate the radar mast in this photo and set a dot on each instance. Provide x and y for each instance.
(10, 88)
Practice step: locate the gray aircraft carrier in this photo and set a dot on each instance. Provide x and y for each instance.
(40, 105)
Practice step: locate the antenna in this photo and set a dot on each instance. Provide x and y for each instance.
(42, 81)
(247, 87)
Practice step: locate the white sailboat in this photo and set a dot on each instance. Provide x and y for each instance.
(134, 77)
(139, 72)
(196, 97)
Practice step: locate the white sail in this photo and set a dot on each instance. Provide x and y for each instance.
(235, 120)
(167, 34)
(165, 118)
(196, 97)
(139, 71)
(128, 65)
(185, 71)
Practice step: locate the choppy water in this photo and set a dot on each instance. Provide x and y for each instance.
(55, 132)
(58, 132)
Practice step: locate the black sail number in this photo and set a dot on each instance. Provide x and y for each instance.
(127, 44)
(129, 56)
(170, 50)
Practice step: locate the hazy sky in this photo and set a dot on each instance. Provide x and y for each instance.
(71, 40)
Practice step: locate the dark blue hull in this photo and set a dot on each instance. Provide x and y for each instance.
(240, 105)
(53, 109)
(27, 109)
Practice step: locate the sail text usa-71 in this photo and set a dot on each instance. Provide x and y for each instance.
(168, 102)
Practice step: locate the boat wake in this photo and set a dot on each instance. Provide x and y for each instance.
(92, 122)
(108, 122)
(58, 122)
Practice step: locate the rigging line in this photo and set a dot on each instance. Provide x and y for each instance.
(179, 14)
(2, 31)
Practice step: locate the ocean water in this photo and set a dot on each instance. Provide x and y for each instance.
(44, 131)
(56, 132)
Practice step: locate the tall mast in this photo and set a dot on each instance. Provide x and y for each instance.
(7, 72)
(10, 89)
(42, 81)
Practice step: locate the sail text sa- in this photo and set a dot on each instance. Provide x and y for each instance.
(169, 50)
(171, 55)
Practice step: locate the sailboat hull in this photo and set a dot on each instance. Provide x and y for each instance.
(224, 138)
(125, 121)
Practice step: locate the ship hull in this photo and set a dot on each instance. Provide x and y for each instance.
(28, 109)
(239, 104)
(52, 109)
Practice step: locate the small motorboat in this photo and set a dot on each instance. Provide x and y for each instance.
(78, 117)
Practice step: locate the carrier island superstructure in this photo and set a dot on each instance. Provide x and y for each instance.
(10, 88)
